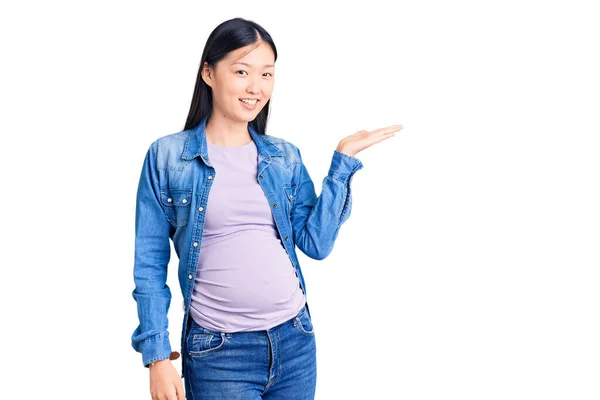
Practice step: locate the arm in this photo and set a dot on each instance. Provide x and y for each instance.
(152, 254)
(316, 221)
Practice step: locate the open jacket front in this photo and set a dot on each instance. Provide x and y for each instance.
(171, 200)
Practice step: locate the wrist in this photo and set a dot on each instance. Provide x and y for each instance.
(173, 356)
(157, 362)
(344, 151)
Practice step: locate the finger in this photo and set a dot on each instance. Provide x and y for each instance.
(172, 394)
(382, 138)
(387, 129)
(180, 392)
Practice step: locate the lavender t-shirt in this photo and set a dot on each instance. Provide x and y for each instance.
(245, 280)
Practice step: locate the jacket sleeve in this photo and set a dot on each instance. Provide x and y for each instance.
(316, 220)
(151, 259)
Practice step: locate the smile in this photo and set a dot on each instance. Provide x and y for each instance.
(248, 101)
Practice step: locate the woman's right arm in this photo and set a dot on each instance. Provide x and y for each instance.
(152, 255)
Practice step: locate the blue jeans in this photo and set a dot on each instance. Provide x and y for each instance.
(274, 364)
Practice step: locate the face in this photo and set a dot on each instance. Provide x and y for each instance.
(246, 73)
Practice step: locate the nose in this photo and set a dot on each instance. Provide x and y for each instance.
(253, 85)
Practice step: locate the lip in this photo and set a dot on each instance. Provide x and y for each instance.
(249, 107)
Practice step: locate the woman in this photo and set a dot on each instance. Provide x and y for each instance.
(236, 203)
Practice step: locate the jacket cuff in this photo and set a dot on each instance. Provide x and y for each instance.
(155, 348)
(343, 166)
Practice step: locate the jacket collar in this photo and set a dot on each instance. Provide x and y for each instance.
(195, 144)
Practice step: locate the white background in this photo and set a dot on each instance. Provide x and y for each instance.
(469, 268)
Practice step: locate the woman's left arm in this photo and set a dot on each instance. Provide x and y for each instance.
(316, 220)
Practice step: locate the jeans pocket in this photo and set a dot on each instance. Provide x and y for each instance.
(304, 323)
(202, 342)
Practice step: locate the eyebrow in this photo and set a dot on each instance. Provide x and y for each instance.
(247, 65)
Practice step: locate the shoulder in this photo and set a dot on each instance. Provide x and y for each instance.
(171, 141)
(290, 150)
(167, 149)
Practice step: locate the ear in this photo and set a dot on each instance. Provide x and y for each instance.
(207, 74)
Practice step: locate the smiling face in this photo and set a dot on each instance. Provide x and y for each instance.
(242, 82)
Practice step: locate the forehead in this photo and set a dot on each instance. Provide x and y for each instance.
(256, 55)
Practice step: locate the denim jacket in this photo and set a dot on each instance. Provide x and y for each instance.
(171, 201)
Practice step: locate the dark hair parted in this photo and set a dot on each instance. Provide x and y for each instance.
(226, 37)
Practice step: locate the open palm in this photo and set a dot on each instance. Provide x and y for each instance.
(352, 144)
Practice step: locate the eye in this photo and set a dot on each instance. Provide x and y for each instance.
(269, 73)
(241, 71)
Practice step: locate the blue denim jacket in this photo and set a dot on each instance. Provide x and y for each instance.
(171, 201)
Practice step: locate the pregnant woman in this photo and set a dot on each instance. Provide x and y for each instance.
(236, 203)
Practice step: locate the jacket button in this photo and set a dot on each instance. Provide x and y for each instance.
(260, 176)
(209, 177)
(275, 205)
(286, 238)
(200, 208)
(190, 276)
(184, 201)
(169, 199)
(195, 244)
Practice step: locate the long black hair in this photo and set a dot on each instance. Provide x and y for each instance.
(228, 36)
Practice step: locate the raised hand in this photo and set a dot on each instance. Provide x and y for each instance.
(352, 144)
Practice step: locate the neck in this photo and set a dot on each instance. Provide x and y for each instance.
(225, 132)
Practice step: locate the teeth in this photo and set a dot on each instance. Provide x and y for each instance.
(249, 102)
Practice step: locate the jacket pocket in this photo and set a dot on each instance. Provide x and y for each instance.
(290, 193)
(176, 203)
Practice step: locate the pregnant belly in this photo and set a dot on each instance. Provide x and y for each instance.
(248, 272)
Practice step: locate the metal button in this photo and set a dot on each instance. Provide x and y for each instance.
(209, 177)
(291, 196)
(169, 199)
(260, 176)
(195, 244)
(200, 208)
(184, 201)
(275, 205)
(190, 276)
(286, 238)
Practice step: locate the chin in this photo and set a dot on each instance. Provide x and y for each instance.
(249, 117)
(244, 118)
